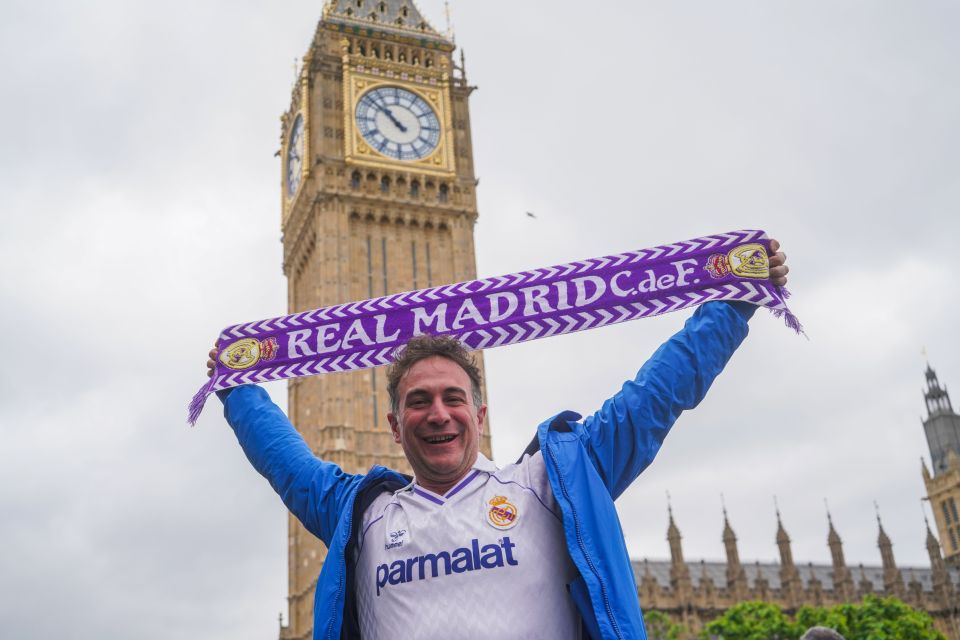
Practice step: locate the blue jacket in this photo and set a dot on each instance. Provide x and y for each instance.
(590, 462)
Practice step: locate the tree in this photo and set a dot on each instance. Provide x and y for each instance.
(752, 621)
(875, 619)
(661, 627)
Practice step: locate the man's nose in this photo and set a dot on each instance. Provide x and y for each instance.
(438, 412)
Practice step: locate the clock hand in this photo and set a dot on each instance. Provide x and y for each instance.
(393, 118)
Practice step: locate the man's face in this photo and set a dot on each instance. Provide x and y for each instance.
(438, 425)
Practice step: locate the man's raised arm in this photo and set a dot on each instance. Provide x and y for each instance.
(625, 434)
(313, 490)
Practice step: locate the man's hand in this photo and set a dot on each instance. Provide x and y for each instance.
(212, 362)
(778, 265)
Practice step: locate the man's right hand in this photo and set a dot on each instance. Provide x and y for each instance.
(212, 362)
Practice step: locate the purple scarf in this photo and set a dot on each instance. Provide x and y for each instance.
(501, 310)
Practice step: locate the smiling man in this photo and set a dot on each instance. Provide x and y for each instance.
(466, 549)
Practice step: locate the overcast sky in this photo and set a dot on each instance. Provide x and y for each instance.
(140, 203)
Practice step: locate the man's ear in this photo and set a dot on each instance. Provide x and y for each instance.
(481, 415)
(394, 427)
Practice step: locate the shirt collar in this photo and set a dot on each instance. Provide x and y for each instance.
(483, 463)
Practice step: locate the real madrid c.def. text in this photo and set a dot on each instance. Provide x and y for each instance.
(501, 310)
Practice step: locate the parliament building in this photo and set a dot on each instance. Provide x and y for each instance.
(693, 593)
(378, 196)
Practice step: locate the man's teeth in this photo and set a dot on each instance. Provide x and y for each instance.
(439, 439)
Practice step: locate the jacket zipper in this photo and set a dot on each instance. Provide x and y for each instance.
(349, 523)
(583, 548)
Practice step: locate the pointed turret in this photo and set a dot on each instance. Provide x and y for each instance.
(679, 572)
(942, 587)
(842, 580)
(942, 424)
(892, 580)
(736, 576)
(789, 576)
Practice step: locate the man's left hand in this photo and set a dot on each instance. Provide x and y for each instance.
(778, 264)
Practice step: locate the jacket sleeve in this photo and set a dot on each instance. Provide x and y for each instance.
(625, 434)
(315, 491)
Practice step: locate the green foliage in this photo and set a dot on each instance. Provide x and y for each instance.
(874, 619)
(752, 621)
(660, 627)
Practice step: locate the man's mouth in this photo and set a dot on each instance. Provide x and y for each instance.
(440, 439)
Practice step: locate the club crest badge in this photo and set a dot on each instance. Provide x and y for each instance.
(750, 261)
(746, 261)
(245, 353)
(502, 514)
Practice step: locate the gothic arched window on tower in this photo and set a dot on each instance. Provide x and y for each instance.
(355, 180)
(953, 509)
(946, 512)
(414, 189)
(443, 193)
(385, 184)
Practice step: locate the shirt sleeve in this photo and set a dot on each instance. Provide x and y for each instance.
(315, 491)
(625, 434)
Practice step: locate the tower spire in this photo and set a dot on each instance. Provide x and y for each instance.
(679, 572)
(789, 576)
(892, 579)
(942, 424)
(842, 580)
(736, 576)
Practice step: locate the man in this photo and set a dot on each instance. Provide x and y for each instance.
(465, 549)
(821, 633)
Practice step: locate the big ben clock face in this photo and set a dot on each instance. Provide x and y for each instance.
(398, 123)
(295, 156)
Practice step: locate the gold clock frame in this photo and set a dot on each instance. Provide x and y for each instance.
(358, 81)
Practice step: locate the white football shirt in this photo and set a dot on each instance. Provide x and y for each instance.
(486, 560)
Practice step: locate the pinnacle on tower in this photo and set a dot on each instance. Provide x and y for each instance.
(842, 580)
(892, 579)
(736, 577)
(937, 398)
(832, 536)
(942, 424)
(397, 16)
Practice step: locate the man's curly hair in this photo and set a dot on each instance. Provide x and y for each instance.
(427, 346)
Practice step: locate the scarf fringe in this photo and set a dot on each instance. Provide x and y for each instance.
(199, 399)
(788, 318)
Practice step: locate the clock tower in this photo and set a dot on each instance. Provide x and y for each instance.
(378, 197)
